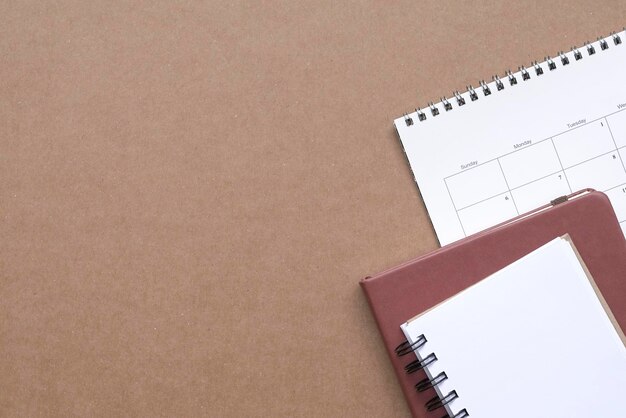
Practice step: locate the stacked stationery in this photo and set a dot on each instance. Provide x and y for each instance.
(533, 339)
(426, 283)
(521, 313)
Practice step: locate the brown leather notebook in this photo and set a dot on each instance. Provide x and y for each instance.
(411, 288)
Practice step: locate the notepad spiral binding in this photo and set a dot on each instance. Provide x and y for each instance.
(511, 78)
(438, 401)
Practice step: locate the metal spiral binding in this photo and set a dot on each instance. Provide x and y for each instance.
(499, 83)
(427, 383)
(461, 414)
(406, 348)
(459, 99)
(416, 365)
(537, 68)
(512, 79)
(437, 401)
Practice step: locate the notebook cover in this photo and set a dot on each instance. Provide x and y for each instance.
(409, 289)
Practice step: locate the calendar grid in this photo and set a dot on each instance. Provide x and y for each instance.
(561, 164)
(588, 155)
(455, 209)
(593, 158)
(535, 143)
(621, 187)
(507, 185)
(608, 125)
(507, 191)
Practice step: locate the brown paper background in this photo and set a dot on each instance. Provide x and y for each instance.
(190, 192)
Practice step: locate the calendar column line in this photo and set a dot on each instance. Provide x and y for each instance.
(561, 164)
(508, 187)
(454, 206)
(615, 142)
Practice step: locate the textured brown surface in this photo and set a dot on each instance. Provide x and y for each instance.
(190, 192)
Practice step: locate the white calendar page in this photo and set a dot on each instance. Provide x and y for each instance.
(517, 148)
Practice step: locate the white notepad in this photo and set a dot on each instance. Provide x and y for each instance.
(513, 144)
(532, 340)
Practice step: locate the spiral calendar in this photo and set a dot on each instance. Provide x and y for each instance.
(491, 153)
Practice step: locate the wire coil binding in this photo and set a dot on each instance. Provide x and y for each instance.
(437, 401)
(536, 69)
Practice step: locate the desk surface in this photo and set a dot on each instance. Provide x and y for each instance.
(190, 193)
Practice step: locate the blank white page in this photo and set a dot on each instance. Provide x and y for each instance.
(515, 149)
(532, 340)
